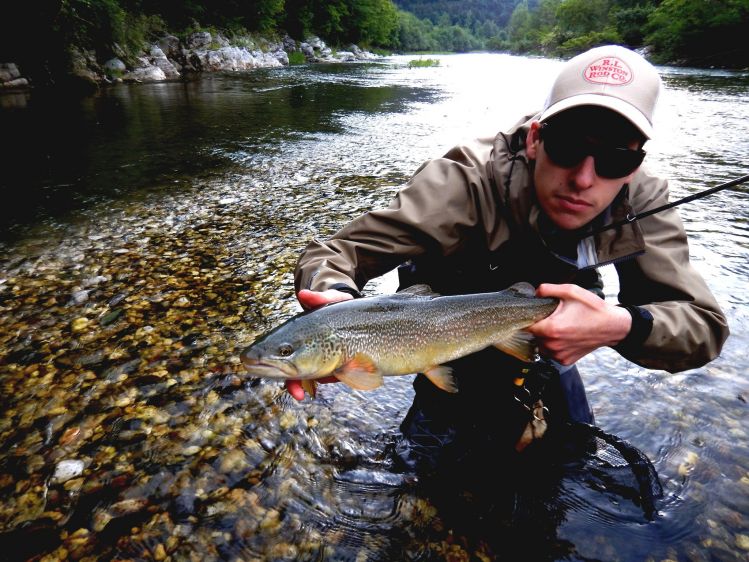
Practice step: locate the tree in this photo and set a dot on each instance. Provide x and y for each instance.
(701, 32)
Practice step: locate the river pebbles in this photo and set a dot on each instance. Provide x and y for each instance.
(127, 425)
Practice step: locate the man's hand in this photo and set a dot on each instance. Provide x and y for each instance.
(310, 300)
(314, 299)
(581, 323)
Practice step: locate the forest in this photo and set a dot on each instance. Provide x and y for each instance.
(692, 32)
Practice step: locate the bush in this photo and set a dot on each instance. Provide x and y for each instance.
(582, 43)
(422, 63)
(297, 57)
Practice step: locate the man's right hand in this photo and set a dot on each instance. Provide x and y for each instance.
(309, 301)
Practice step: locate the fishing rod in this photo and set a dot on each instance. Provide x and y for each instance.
(635, 217)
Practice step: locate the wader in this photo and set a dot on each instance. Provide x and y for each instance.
(491, 411)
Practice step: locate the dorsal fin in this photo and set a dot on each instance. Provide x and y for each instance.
(420, 289)
(522, 289)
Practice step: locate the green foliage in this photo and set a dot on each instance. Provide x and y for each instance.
(413, 34)
(522, 31)
(378, 21)
(423, 63)
(297, 57)
(630, 23)
(589, 40)
(704, 32)
(468, 14)
(701, 32)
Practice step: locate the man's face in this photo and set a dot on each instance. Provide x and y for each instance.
(573, 195)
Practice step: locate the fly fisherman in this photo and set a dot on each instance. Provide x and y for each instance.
(522, 207)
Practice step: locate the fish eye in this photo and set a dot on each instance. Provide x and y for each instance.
(284, 350)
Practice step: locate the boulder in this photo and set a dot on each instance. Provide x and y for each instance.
(199, 40)
(8, 72)
(145, 72)
(115, 67)
(158, 58)
(289, 45)
(171, 46)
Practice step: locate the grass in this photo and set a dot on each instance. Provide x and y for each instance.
(297, 57)
(423, 63)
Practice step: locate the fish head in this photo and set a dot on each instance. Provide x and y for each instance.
(294, 352)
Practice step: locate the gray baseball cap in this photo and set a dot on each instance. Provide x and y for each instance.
(613, 77)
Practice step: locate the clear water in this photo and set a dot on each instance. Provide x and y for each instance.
(150, 232)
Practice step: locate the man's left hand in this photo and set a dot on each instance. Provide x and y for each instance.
(582, 323)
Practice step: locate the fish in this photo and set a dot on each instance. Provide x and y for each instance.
(415, 330)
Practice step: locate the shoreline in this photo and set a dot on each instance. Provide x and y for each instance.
(171, 58)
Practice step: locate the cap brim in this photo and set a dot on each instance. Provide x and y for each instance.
(626, 110)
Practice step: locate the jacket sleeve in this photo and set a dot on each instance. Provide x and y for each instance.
(689, 328)
(430, 214)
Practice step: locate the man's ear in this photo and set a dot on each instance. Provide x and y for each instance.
(532, 140)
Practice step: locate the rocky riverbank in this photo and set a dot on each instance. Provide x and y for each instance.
(172, 58)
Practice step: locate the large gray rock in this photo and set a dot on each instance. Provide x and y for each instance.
(9, 71)
(15, 83)
(145, 72)
(158, 58)
(289, 45)
(281, 56)
(345, 56)
(308, 50)
(84, 67)
(199, 40)
(115, 67)
(316, 43)
(171, 46)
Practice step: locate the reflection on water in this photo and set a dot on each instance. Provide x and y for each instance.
(67, 153)
(155, 235)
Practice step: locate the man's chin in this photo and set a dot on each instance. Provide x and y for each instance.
(570, 221)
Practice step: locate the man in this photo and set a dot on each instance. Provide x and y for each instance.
(524, 207)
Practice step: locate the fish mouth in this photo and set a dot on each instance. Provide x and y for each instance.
(269, 370)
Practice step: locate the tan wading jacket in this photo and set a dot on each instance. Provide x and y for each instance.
(469, 222)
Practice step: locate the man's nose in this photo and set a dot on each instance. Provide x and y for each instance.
(583, 175)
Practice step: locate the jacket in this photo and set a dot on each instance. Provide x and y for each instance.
(470, 222)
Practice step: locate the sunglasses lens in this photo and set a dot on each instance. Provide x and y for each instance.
(563, 152)
(611, 162)
(617, 162)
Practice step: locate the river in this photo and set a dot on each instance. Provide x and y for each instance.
(149, 233)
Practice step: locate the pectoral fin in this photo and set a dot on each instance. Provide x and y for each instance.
(520, 344)
(310, 387)
(360, 373)
(442, 377)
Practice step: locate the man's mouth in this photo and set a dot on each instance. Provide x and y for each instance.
(573, 203)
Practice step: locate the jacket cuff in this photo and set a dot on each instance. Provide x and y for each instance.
(346, 289)
(642, 325)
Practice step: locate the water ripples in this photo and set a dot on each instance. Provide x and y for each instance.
(183, 455)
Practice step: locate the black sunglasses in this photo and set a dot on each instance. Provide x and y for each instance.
(568, 150)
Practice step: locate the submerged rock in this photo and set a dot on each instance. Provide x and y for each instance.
(68, 469)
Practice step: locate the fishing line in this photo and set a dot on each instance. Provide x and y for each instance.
(635, 217)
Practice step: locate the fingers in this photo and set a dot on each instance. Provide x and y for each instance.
(295, 389)
(565, 291)
(312, 299)
(582, 323)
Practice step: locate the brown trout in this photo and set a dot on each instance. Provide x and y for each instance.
(413, 331)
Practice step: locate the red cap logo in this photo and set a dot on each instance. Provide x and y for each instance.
(610, 71)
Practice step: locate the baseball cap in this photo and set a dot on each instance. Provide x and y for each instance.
(611, 76)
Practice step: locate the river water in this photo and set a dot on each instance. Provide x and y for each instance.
(150, 232)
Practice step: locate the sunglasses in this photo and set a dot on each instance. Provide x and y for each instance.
(568, 150)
